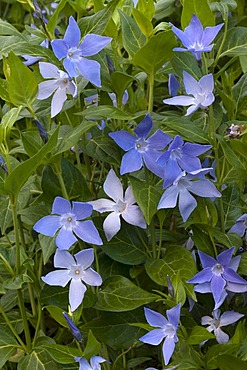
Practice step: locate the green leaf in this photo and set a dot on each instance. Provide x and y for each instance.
(133, 38)
(8, 345)
(37, 360)
(119, 82)
(8, 121)
(5, 215)
(243, 264)
(16, 282)
(7, 29)
(21, 173)
(219, 349)
(4, 90)
(147, 8)
(55, 296)
(93, 346)
(147, 197)
(53, 18)
(48, 247)
(119, 294)
(62, 354)
(143, 22)
(104, 112)
(199, 334)
(229, 362)
(201, 9)
(186, 62)
(103, 149)
(230, 155)
(157, 51)
(202, 236)
(23, 86)
(239, 92)
(235, 44)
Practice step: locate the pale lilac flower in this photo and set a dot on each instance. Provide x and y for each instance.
(165, 329)
(219, 276)
(73, 328)
(121, 205)
(59, 83)
(195, 39)
(75, 270)
(181, 189)
(180, 157)
(68, 221)
(94, 364)
(216, 322)
(240, 227)
(201, 91)
(73, 52)
(141, 149)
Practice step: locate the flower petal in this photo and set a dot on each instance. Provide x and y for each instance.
(73, 34)
(154, 337)
(65, 239)
(206, 260)
(144, 127)
(61, 206)
(46, 89)
(92, 44)
(221, 337)
(131, 161)
(90, 69)
(191, 85)
(168, 349)
(63, 259)
(230, 275)
(133, 215)
(183, 100)
(57, 278)
(57, 101)
(86, 231)
(59, 48)
(95, 361)
(202, 276)
(210, 33)
(103, 205)
(204, 188)
(84, 364)
(92, 278)
(111, 225)
(169, 198)
(113, 187)
(48, 225)
(76, 293)
(224, 258)
(159, 140)
(186, 204)
(81, 210)
(85, 258)
(124, 139)
(155, 318)
(173, 315)
(49, 70)
(217, 286)
(230, 317)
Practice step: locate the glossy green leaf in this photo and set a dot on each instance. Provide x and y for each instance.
(103, 149)
(147, 8)
(201, 9)
(37, 360)
(186, 62)
(8, 122)
(4, 90)
(17, 282)
(199, 334)
(230, 156)
(53, 18)
(203, 238)
(239, 92)
(229, 362)
(119, 294)
(62, 354)
(93, 346)
(235, 43)
(219, 349)
(103, 112)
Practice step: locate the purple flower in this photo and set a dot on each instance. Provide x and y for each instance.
(181, 190)
(95, 362)
(180, 157)
(173, 84)
(61, 84)
(219, 276)
(68, 222)
(73, 52)
(166, 328)
(121, 205)
(195, 39)
(216, 322)
(240, 226)
(141, 149)
(42, 131)
(76, 270)
(201, 91)
(73, 328)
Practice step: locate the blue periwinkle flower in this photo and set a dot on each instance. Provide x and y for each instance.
(219, 276)
(166, 329)
(74, 53)
(73, 328)
(173, 84)
(94, 364)
(180, 157)
(75, 270)
(42, 131)
(59, 83)
(217, 321)
(181, 189)
(68, 221)
(240, 227)
(195, 38)
(201, 91)
(141, 149)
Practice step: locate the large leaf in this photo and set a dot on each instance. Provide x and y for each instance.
(8, 345)
(119, 294)
(62, 354)
(235, 43)
(37, 360)
(229, 362)
(230, 155)
(200, 8)
(186, 62)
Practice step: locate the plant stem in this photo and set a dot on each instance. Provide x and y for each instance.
(8, 322)
(57, 169)
(151, 93)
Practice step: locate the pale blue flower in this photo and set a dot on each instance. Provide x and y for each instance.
(59, 83)
(74, 53)
(216, 322)
(94, 364)
(75, 270)
(181, 189)
(121, 205)
(165, 329)
(68, 221)
(195, 39)
(240, 227)
(201, 91)
(141, 149)
(219, 276)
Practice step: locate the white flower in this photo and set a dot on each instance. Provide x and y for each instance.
(121, 205)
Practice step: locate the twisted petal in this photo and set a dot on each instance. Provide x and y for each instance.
(113, 187)
(92, 44)
(229, 317)
(76, 293)
(57, 278)
(81, 210)
(46, 88)
(47, 225)
(90, 69)
(85, 258)
(65, 239)
(87, 232)
(155, 318)
(131, 161)
(186, 204)
(154, 337)
(142, 130)
(183, 100)
(202, 276)
(217, 286)
(63, 259)
(92, 278)
(111, 225)
(95, 361)
(192, 109)
(133, 215)
(84, 364)
(61, 206)
(124, 139)
(168, 349)
(221, 337)
(73, 34)
(102, 205)
(57, 101)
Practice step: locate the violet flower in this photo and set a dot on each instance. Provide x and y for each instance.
(165, 329)
(121, 205)
(75, 270)
(201, 91)
(173, 84)
(195, 39)
(59, 83)
(68, 221)
(219, 276)
(216, 322)
(141, 149)
(73, 328)
(240, 227)
(73, 52)
(94, 364)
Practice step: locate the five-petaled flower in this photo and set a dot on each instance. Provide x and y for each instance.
(73, 52)
(121, 205)
(219, 276)
(166, 328)
(141, 149)
(216, 322)
(201, 91)
(180, 157)
(94, 364)
(195, 39)
(68, 221)
(240, 227)
(193, 182)
(59, 82)
(76, 270)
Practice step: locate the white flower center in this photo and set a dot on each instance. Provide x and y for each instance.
(68, 221)
(169, 330)
(120, 206)
(141, 145)
(217, 269)
(74, 54)
(197, 46)
(76, 272)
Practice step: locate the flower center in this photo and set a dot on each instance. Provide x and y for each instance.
(141, 145)
(218, 269)
(169, 330)
(120, 206)
(68, 221)
(76, 272)
(74, 54)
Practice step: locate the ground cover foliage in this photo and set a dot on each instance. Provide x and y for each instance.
(123, 214)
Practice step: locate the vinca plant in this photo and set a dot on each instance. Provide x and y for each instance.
(123, 197)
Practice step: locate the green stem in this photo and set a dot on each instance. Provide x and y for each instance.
(57, 169)
(160, 240)
(151, 93)
(222, 42)
(8, 322)
(24, 320)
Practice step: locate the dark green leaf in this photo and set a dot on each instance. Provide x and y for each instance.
(62, 354)
(199, 334)
(229, 362)
(235, 43)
